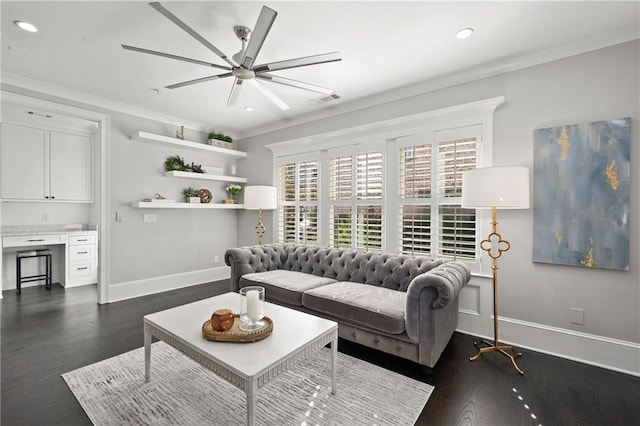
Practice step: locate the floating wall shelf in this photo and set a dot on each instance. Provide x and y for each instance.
(156, 205)
(205, 176)
(165, 140)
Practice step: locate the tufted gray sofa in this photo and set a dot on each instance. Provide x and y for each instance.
(399, 304)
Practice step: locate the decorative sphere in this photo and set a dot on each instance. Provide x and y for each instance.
(222, 320)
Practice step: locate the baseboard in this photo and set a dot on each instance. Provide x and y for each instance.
(147, 286)
(612, 354)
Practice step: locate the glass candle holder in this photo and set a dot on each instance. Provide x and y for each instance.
(251, 308)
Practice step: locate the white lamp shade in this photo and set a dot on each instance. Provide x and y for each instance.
(500, 187)
(260, 197)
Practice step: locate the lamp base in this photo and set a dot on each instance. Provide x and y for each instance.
(494, 347)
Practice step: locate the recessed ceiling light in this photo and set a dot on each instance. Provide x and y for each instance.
(26, 26)
(464, 33)
(248, 108)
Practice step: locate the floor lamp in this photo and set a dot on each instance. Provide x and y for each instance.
(496, 188)
(258, 197)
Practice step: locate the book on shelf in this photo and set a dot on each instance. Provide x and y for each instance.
(158, 200)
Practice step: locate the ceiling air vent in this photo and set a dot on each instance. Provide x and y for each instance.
(324, 99)
(38, 114)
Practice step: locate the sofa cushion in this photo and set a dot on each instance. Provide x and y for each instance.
(284, 286)
(374, 307)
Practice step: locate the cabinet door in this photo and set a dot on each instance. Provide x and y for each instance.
(24, 163)
(70, 167)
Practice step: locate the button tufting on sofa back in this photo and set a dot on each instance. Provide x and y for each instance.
(386, 270)
(266, 258)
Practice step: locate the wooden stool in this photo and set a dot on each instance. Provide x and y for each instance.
(46, 253)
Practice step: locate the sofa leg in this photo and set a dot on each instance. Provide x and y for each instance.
(427, 371)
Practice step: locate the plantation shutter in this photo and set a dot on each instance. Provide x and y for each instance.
(369, 176)
(356, 185)
(415, 172)
(340, 178)
(456, 226)
(298, 202)
(340, 234)
(415, 169)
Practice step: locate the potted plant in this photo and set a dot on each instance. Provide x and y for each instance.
(191, 194)
(175, 162)
(214, 137)
(233, 191)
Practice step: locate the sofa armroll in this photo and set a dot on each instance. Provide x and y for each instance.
(446, 279)
(247, 260)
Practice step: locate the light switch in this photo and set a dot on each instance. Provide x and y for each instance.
(149, 218)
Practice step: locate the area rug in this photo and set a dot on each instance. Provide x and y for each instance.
(182, 392)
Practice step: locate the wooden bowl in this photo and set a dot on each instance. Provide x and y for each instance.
(222, 320)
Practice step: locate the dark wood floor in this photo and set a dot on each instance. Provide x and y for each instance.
(47, 333)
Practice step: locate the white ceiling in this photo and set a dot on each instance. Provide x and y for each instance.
(389, 49)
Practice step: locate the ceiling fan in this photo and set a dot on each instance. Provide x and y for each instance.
(241, 65)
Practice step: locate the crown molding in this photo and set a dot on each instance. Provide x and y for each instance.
(553, 53)
(13, 80)
(456, 115)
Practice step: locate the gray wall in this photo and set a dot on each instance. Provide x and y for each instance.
(599, 85)
(182, 240)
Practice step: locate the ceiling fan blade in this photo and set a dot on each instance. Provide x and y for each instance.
(199, 80)
(170, 16)
(235, 91)
(295, 83)
(269, 94)
(170, 56)
(299, 62)
(258, 35)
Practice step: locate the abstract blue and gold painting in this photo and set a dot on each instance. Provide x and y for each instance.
(581, 178)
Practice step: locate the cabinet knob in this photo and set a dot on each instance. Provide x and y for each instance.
(82, 252)
(82, 269)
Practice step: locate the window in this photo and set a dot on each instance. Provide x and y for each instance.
(356, 184)
(391, 186)
(298, 202)
(431, 219)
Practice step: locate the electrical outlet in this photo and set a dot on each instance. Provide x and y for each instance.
(118, 216)
(577, 316)
(149, 218)
(216, 259)
(45, 217)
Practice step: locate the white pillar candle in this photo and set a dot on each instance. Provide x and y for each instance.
(253, 305)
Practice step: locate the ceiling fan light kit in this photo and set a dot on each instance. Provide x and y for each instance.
(26, 26)
(241, 65)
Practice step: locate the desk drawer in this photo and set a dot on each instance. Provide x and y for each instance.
(79, 253)
(82, 239)
(81, 269)
(33, 240)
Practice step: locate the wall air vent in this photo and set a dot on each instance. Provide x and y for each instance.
(324, 99)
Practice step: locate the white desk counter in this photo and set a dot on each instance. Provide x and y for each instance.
(80, 266)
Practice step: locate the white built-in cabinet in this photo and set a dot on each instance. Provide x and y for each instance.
(44, 165)
(82, 259)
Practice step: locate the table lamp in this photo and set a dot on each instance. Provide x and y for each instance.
(259, 197)
(496, 188)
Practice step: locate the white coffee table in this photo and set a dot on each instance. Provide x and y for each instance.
(248, 366)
